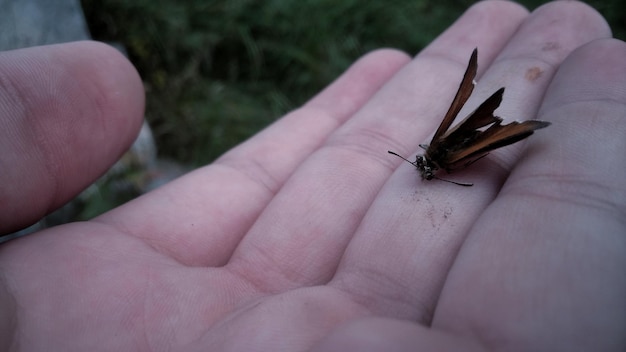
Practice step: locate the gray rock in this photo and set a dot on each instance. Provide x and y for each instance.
(25, 23)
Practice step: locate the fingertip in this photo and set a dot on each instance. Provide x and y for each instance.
(502, 7)
(117, 87)
(359, 82)
(588, 17)
(68, 113)
(388, 55)
(594, 70)
(486, 25)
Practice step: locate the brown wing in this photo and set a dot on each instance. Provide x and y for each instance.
(482, 116)
(464, 92)
(494, 137)
(464, 134)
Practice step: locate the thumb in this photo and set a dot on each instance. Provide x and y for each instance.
(67, 112)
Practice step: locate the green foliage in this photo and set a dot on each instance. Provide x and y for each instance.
(218, 71)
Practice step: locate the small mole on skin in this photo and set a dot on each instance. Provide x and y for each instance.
(533, 73)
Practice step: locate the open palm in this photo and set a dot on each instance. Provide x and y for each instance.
(309, 236)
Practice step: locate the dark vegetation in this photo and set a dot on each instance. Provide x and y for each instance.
(217, 71)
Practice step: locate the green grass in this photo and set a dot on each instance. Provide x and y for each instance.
(216, 72)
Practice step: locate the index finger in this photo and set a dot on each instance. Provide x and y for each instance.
(200, 218)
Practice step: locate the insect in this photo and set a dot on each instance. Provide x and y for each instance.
(465, 143)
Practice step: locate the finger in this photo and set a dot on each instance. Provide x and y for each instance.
(200, 218)
(548, 274)
(411, 234)
(303, 232)
(68, 113)
(378, 334)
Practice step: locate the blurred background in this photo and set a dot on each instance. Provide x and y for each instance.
(217, 71)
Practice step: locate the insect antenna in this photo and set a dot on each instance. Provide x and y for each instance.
(401, 157)
(456, 183)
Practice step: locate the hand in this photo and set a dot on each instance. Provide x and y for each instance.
(309, 236)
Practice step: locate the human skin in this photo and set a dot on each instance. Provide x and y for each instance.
(309, 236)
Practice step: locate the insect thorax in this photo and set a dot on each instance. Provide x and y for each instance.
(425, 167)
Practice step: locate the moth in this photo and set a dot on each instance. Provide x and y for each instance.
(474, 137)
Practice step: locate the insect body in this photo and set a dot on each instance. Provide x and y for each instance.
(465, 143)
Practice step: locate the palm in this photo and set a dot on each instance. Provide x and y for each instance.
(305, 233)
